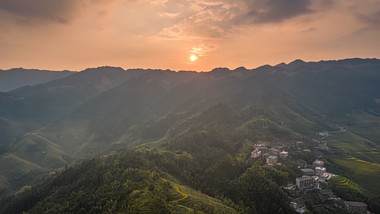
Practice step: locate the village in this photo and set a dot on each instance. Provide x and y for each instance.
(312, 175)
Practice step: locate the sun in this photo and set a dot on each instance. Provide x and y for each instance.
(193, 57)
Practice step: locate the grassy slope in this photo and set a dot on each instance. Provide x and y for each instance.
(14, 166)
(39, 150)
(361, 160)
(29, 160)
(365, 174)
(366, 125)
(21, 171)
(356, 146)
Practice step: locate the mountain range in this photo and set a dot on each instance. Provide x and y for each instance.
(181, 134)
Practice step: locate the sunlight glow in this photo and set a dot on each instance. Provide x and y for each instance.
(193, 58)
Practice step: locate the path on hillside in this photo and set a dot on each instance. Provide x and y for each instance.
(184, 195)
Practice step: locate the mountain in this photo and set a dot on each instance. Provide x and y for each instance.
(19, 77)
(50, 101)
(186, 130)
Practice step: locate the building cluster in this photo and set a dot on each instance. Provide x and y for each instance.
(320, 144)
(312, 176)
(310, 180)
(270, 154)
(355, 207)
(327, 196)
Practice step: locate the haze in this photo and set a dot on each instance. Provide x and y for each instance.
(76, 34)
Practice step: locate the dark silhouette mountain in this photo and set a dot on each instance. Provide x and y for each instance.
(19, 77)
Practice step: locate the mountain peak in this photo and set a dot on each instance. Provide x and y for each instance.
(297, 62)
(104, 69)
(220, 69)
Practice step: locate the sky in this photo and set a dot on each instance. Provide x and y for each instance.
(166, 34)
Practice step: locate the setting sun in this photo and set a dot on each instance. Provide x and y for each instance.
(193, 58)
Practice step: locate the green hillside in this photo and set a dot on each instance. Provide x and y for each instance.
(145, 182)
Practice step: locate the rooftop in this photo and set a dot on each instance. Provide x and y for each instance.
(272, 157)
(326, 191)
(305, 177)
(307, 170)
(355, 203)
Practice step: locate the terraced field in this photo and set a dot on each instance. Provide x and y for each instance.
(361, 160)
(345, 183)
(365, 174)
(356, 146)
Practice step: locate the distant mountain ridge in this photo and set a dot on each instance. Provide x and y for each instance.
(19, 77)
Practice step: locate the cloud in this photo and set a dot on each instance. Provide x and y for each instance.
(60, 11)
(372, 20)
(206, 22)
(203, 49)
(273, 11)
(216, 18)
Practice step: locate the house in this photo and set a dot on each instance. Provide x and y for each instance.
(255, 153)
(325, 194)
(304, 182)
(283, 154)
(318, 163)
(299, 205)
(318, 153)
(315, 181)
(338, 203)
(272, 160)
(328, 176)
(274, 151)
(262, 143)
(261, 147)
(308, 171)
(322, 179)
(355, 207)
(301, 163)
(322, 145)
(320, 171)
(298, 144)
